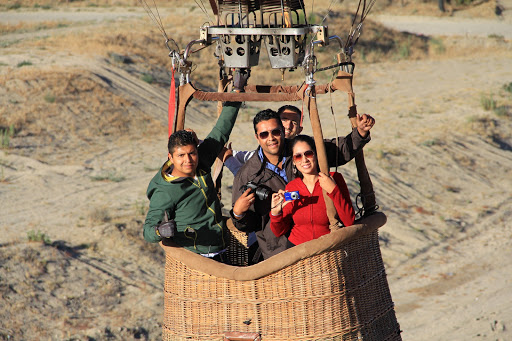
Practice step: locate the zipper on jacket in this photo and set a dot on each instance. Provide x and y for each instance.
(198, 185)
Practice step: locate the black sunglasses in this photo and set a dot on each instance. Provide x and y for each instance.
(308, 154)
(264, 134)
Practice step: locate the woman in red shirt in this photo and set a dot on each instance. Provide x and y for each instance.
(307, 216)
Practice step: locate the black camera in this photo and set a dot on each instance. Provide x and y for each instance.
(260, 191)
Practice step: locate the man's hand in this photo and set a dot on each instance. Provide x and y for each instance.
(195, 136)
(243, 203)
(364, 124)
(240, 79)
(226, 152)
(166, 228)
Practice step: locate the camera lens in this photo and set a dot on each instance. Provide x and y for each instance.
(262, 193)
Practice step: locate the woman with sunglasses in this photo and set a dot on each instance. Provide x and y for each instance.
(306, 217)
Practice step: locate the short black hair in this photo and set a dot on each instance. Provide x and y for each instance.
(180, 138)
(291, 108)
(266, 115)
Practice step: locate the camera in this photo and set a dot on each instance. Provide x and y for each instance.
(291, 195)
(260, 191)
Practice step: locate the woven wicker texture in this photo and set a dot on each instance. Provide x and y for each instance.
(237, 251)
(340, 294)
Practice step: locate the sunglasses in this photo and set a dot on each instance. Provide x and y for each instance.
(308, 154)
(265, 134)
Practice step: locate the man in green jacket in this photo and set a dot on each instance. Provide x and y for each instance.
(183, 191)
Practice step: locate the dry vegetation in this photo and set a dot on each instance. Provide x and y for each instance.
(49, 105)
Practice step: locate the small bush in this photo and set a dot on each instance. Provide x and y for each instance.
(501, 111)
(49, 98)
(431, 143)
(437, 45)
(43, 6)
(38, 236)
(496, 37)
(24, 63)
(404, 49)
(147, 78)
(100, 215)
(15, 5)
(487, 102)
(111, 176)
(508, 87)
(6, 135)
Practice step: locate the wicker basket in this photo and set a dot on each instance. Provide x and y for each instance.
(331, 288)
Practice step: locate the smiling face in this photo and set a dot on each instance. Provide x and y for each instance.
(304, 158)
(184, 159)
(270, 137)
(291, 123)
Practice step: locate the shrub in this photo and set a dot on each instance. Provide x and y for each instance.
(49, 98)
(508, 87)
(487, 102)
(100, 215)
(24, 63)
(38, 236)
(111, 176)
(6, 135)
(147, 78)
(437, 45)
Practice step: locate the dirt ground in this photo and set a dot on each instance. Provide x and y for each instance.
(85, 90)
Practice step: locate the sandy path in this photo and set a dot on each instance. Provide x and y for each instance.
(434, 26)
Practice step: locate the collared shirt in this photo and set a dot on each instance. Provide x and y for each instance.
(273, 168)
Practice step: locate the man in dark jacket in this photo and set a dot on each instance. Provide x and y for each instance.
(269, 169)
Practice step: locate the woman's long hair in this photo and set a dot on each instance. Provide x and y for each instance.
(311, 142)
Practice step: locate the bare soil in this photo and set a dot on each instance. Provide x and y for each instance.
(85, 90)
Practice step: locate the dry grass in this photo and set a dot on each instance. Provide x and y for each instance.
(476, 9)
(70, 3)
(24, 27)
(49, 105)
(67, 108)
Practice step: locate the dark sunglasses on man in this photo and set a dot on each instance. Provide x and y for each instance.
(265, 134)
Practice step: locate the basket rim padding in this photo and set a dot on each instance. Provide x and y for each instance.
(286, 258)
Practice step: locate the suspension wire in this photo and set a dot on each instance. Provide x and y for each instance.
(356, 29)
(202, 6)
(329, 9)
(158, 21)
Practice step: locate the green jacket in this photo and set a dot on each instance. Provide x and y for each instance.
(192, 203)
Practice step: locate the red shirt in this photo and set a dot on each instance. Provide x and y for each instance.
(307, 216)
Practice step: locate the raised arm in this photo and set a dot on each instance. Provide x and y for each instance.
(217, 138)
(350, 145)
